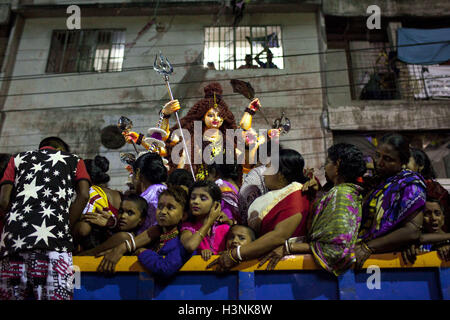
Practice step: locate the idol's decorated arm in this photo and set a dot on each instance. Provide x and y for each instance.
(168, 109)
(137, 138)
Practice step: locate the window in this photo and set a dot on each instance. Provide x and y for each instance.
(227, 47)
(372, 73)
(86, 51)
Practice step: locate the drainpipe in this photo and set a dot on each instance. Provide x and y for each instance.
(322, 43)
(9, 62)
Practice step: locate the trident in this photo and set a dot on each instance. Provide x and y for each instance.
(164, 68)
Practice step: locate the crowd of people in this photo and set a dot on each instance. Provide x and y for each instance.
(55, 205)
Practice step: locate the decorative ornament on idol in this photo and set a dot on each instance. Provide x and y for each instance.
(164, 68)
(156, 142)
(156, 139)
(128, 159)
(281, 126)
(125, 125)
(246, 121)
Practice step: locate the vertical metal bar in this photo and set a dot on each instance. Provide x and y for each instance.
(219, 47)
(234, 46)
(110, 48)
(281, 44)
(94, 52)
(66, 34)
(251, 41)
(77, 63)
(350, 68)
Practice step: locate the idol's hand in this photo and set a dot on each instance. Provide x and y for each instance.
(171, 107)
(254, 105)
(131, 136)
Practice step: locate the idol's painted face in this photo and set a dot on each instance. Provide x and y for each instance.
(212, 119)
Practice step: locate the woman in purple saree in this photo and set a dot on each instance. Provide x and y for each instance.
(392, 212)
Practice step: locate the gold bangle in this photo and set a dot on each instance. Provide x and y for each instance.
(231, 256)
(201, 234)
(366, 247)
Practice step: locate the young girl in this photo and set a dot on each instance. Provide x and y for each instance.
(433, 236)
(239, 235)
(168, 255)
(132, 213)
(202, 231)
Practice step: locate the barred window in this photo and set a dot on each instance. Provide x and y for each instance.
(86, 51)
(226, 47)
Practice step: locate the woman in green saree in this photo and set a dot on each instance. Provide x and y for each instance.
(332, 229)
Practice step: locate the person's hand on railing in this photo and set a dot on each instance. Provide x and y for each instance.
(362, 253)
(206, 254)
(409, 254)
(444, 252)
(224, 263)
(111, 258)
(273, 257)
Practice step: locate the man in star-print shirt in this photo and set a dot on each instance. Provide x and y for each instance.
(37, 190)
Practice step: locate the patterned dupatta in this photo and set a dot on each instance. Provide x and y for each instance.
(335, 222)
(391, 203)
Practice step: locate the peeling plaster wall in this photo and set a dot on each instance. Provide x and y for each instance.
(31, 117)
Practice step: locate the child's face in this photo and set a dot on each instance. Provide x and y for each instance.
(433, 217)
(169, 212)
(200, 202)
(130, 215)
(238, 236)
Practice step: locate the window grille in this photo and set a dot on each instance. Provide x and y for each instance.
(227, 47)
(86, 51)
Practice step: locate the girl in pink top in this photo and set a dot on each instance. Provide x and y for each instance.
(202, 231)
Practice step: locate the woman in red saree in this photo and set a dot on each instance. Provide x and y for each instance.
(276, 216)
